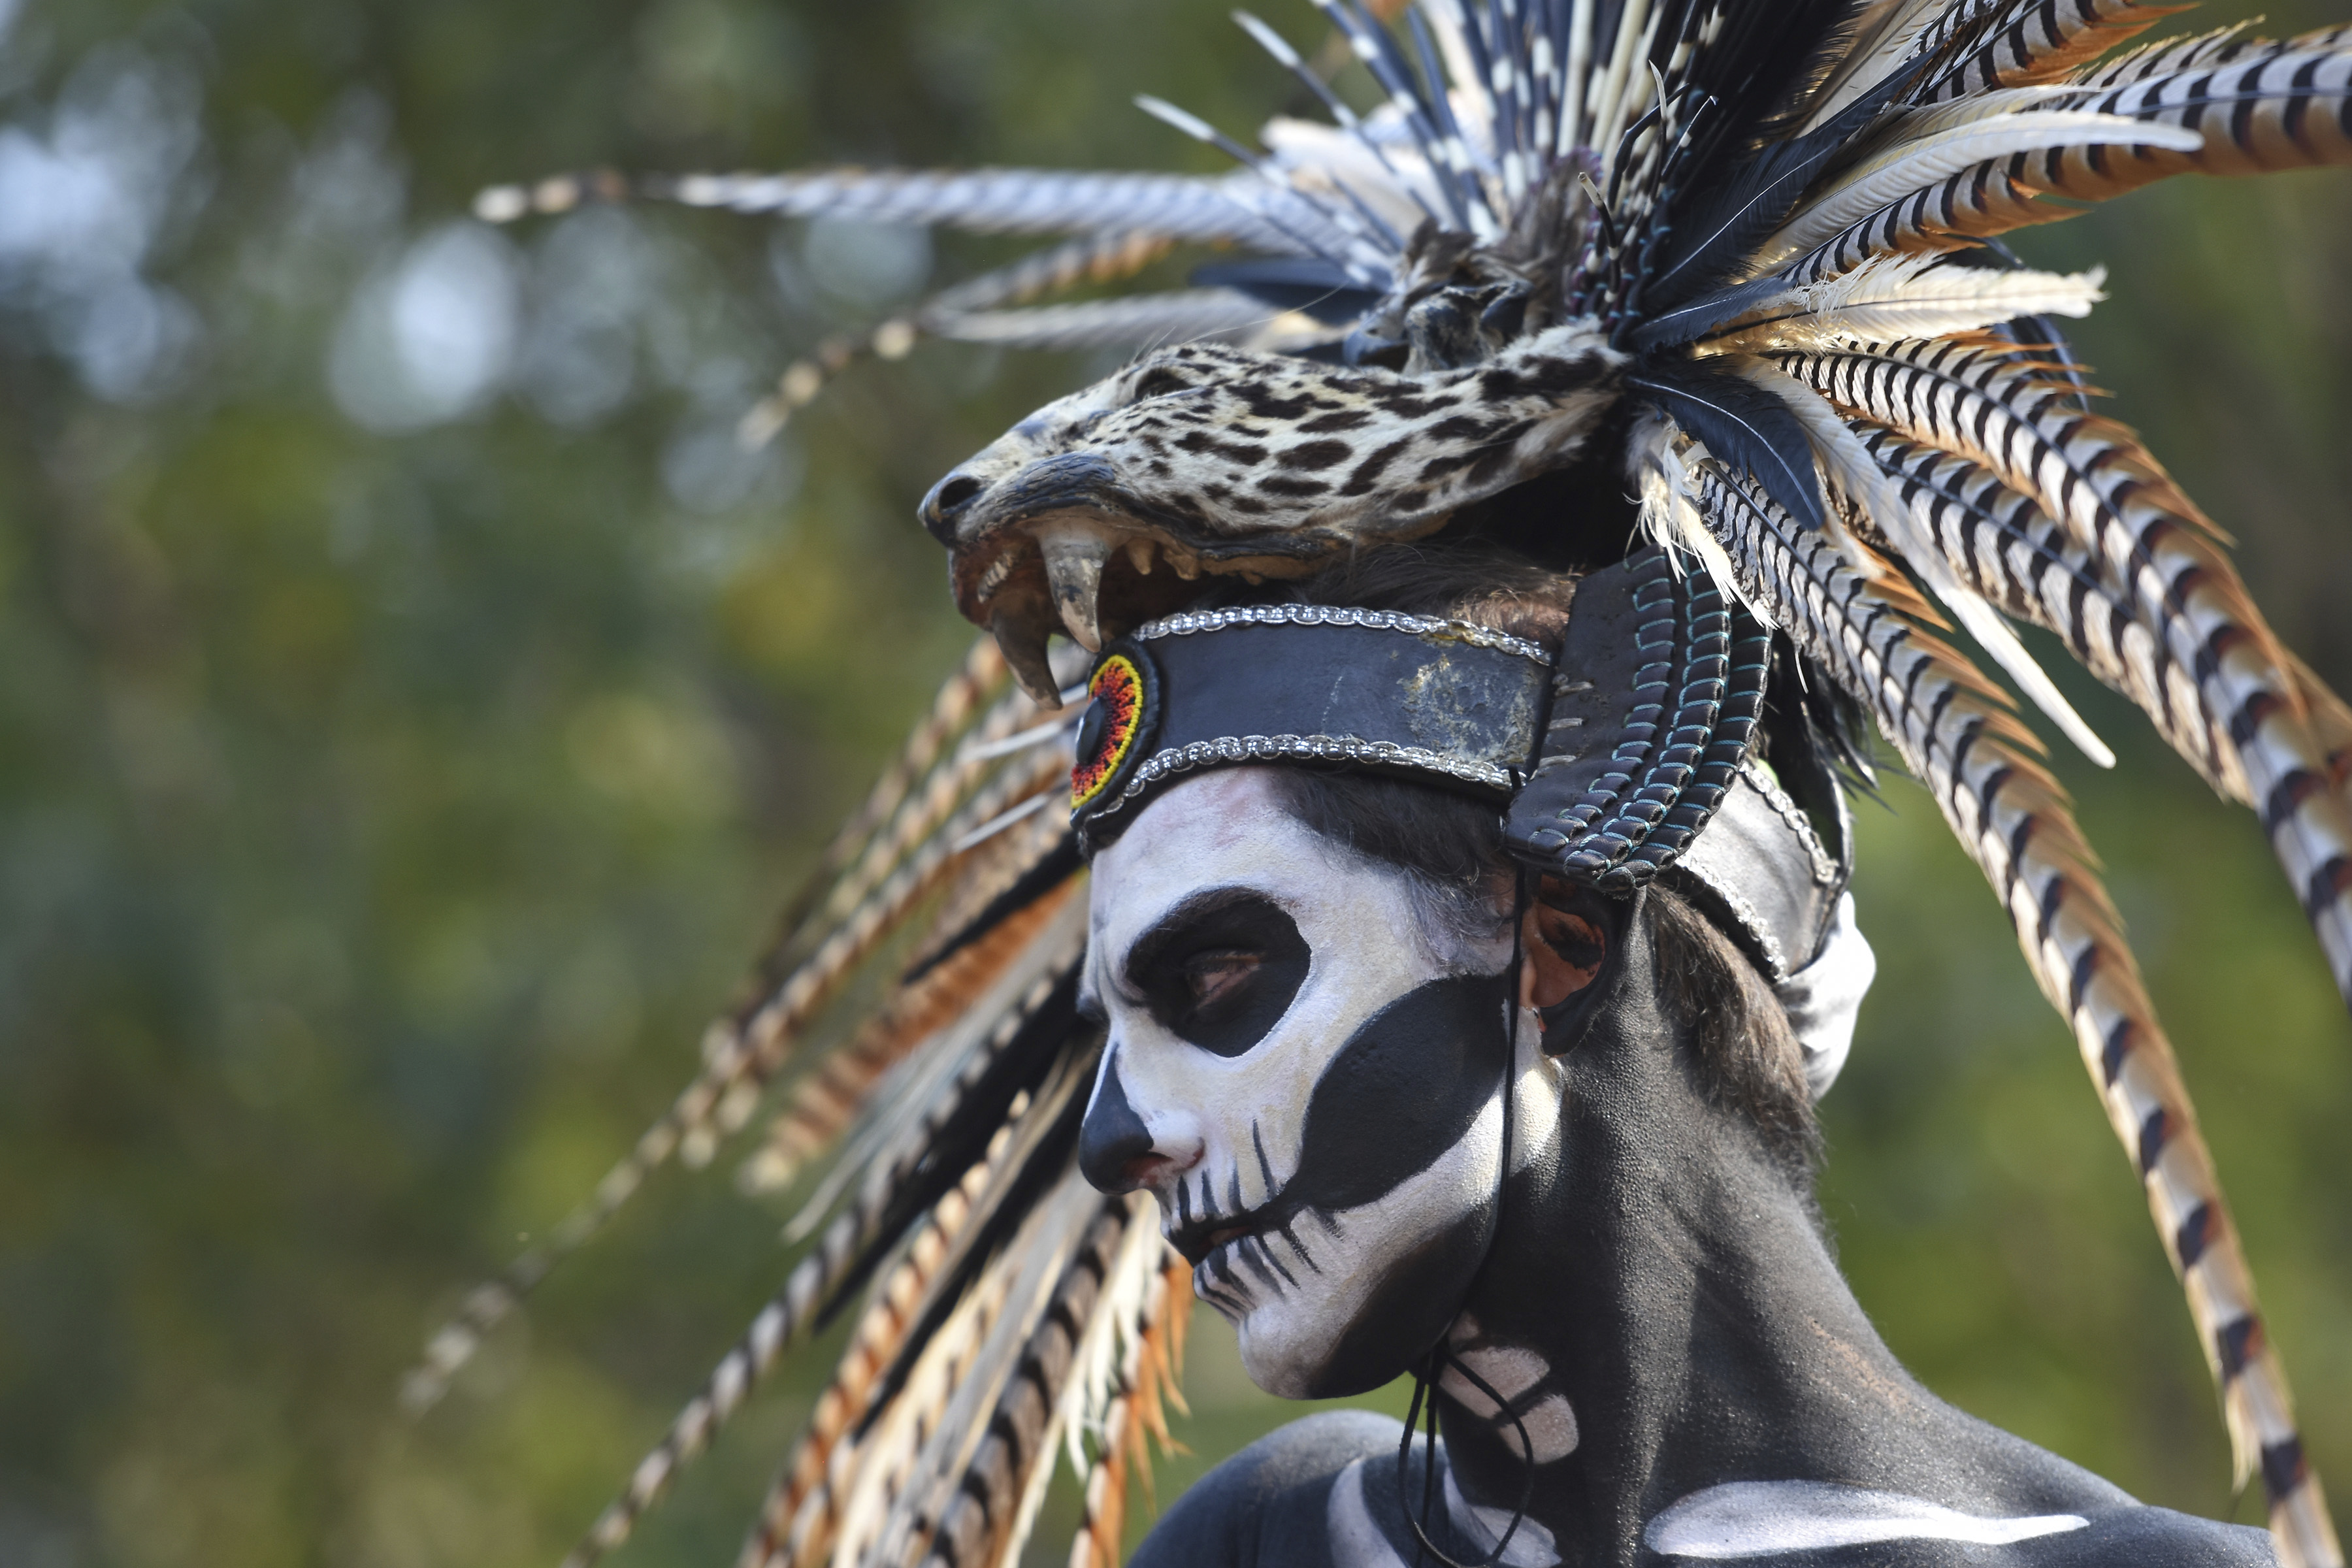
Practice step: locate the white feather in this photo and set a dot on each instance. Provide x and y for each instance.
(1623, 91)
(1883, 40)
(1848, 465)
(872, 1480)
(1909, 297)
(1915, 166)
(1395, 181)
(1912, 124)
(1029, 1269)
(1669, 516)
(1575, 98)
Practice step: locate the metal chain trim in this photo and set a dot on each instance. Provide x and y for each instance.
(1186, 623)
(1297, 749)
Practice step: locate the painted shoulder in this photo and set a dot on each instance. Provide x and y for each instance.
(1268, 1506)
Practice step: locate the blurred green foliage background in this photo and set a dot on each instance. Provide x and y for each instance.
(413, 705)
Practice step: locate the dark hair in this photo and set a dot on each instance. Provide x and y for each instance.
(1747, 1056)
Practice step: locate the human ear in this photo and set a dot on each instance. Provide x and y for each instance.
(1567, 936)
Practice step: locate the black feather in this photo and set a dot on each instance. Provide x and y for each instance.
(1746, 205)
(1744, 426)
(1818, 736)
(1686, 322)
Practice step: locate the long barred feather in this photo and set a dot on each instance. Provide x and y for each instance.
(453, 1344)
(988, 1516)
(1057, 1237)
(796, 1517)
(1956, 733)
(981, 200)
(2268, 107)
(1915, 166)
(899, 869)
(1887, 34)
(1867, 488)
(832, 1095)
(1146, 321)
(1107, 257)
(2001, 410)
(778, 1321)
(848, 1248)
(2010, 43)
(2015, 554)
(1951, 214)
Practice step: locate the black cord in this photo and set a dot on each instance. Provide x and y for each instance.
(1426, 1373)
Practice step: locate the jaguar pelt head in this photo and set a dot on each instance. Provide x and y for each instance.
(1107, 508)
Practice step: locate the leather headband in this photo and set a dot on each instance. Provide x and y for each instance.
(1457, 705)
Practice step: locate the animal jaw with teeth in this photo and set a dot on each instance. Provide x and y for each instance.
(1227, 463)
(1326, 1158)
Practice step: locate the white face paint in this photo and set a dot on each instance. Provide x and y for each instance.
(1304, 1068)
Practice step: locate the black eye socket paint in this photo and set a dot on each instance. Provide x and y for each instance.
(1221, 970)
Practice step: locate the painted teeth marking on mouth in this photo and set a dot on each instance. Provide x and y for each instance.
(1289, 1232)
(1258, 1242)
(1139, 555)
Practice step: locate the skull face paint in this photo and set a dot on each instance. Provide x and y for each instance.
(1304, 1067)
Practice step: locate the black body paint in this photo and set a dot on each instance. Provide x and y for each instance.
(1665, 1265)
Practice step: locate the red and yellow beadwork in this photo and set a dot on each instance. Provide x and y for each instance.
(1111, 731)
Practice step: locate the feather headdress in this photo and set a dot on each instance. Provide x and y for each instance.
(1740, 256)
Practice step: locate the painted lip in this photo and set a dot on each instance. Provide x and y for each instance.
(1199, 1239)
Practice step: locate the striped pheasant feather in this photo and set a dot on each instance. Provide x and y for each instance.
(883, 884)
(832, 1094)
(2003, 410)
(1132, 1415)
(1956, 733)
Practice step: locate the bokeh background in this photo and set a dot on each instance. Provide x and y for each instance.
(413, 705)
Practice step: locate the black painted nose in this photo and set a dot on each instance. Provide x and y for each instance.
(949, 501)
(1112, 1140)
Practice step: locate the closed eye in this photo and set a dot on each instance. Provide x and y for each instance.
(1221, 969)
(1218, 975)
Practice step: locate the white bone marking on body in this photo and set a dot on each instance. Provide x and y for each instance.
(1511, 1371)
(1531, 1546)
(1761, 1518)
(1356, 1541)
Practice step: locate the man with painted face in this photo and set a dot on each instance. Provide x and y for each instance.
(1413, 1103)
